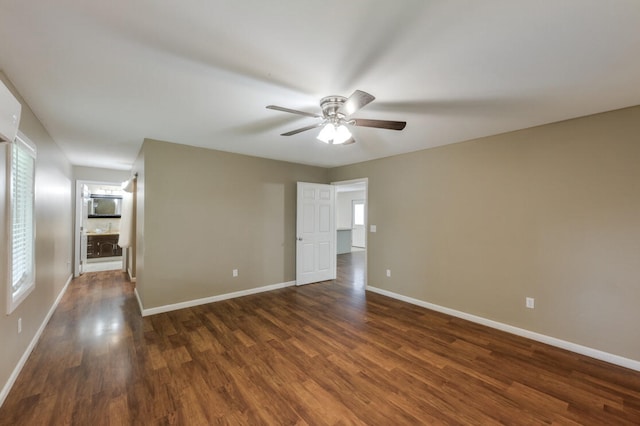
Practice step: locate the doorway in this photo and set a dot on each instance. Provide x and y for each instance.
(351, 224)
(98, 214)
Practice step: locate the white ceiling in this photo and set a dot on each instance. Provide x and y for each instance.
(104, 75)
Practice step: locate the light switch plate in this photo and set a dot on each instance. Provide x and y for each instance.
(372, 228)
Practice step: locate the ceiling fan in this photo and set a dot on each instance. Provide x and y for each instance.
(335, 117)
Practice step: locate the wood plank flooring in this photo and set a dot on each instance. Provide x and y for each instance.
(322, 354)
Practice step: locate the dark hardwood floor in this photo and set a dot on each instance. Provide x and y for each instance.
(326, 353)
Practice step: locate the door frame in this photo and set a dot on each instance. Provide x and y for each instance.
(78, 221)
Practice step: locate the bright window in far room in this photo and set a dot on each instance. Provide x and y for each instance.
(21, 191)
(358, 213)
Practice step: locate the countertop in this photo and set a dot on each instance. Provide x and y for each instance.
(104, 233)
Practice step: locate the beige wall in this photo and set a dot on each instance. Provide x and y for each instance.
(53, 241)
(551, 212)
(203, 213)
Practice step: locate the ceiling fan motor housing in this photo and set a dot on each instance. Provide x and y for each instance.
(330, 106)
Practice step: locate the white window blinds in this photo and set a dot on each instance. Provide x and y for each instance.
(22, 227)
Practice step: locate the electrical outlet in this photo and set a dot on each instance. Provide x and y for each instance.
(235, 272)
(388, 272)
(530, 302)
(19, 325)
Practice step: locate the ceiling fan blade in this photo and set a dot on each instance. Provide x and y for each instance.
(380, 124)
(356, 101)
(302, 129)
(293, 111)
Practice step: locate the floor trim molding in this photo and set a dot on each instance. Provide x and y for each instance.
(34, 341)
(205, 300)
(135, 291)
(563, 344)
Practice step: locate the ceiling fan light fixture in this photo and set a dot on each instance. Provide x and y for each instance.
(327, 133)
(335, 135)
(342, 135)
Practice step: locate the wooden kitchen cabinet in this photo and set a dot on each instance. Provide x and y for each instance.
(103, 246)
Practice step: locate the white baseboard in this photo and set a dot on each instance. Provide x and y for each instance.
(131, 277)
(203, 301)
(135, 291)
(573, 347)
(16, 371)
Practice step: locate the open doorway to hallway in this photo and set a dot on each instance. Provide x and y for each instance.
(351, 226)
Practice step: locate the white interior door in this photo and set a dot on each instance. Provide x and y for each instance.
(358, 215)
(316, 233)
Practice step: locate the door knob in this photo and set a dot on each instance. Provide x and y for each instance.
(299, 238)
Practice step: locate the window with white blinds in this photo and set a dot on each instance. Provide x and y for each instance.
(22, 220)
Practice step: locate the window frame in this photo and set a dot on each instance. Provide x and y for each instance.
(17, 296)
